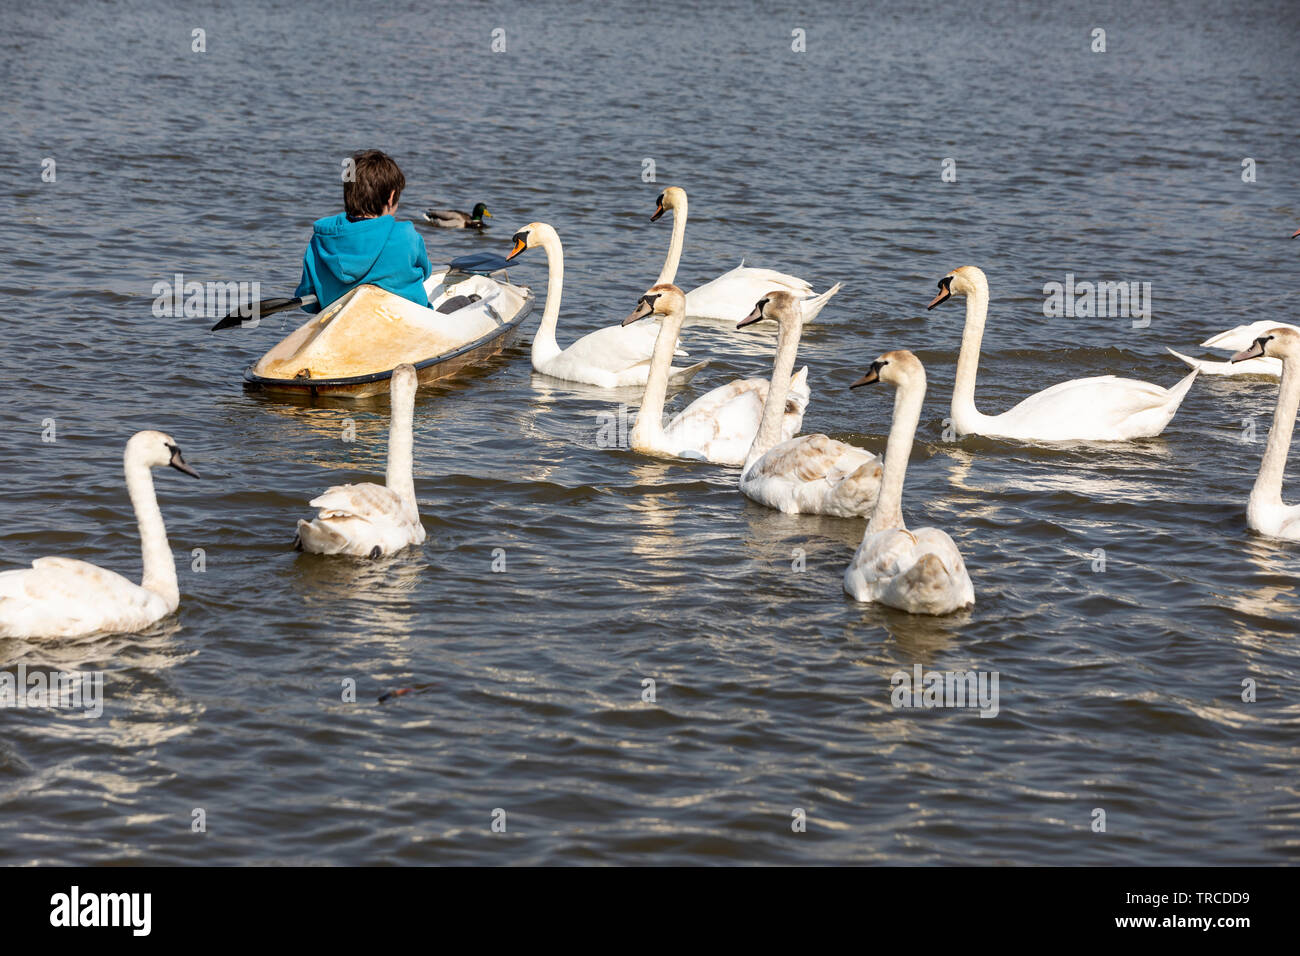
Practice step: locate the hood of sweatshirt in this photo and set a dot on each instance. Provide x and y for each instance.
(350, 249)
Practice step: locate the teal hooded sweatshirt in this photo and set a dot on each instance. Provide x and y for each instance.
(381, 251)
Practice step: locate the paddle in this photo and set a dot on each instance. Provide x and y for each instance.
(478, 263)
(264, 308)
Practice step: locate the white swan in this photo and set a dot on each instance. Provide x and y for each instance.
(811, 474)
(1237, 340)
(731, 295)
(1265, 512)
(612, 357)
(64, 597)
(369, 520)
(720, 425)
(1102, 408)
(917, 571)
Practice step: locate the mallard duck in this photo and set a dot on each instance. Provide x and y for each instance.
(451, 219)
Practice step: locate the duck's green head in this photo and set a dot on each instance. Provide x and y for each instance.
(480, 210)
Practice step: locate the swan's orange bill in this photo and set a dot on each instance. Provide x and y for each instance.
(520, 246)
(659, 211)
(1297, 233)
(943, 295)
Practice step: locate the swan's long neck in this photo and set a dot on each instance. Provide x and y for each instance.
(649, 428)
(669, 272)
(545, 347)
(159, 565)
(907, 414)
(963, 408)
(1268, 486)
(400, 476)
(769, 428)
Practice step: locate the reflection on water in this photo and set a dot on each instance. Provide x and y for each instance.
(921, 640)
(1270, 596)
(129, 698)
(384, 590)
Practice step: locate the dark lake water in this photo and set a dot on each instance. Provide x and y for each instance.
(1120, 690)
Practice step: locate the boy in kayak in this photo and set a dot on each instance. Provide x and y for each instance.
(364, 243)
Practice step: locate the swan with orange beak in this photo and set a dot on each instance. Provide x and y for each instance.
(1100, 408)
(611, 357)
(720, 425)
(731, 295)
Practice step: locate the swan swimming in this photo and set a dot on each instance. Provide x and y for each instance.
(1265, 511)
(720, 425)
(1238, 340)
(369, 520)
(1101, 408)
(811, 474)
(612, 357)
(921, 572)
(731, 295)
(64, 597)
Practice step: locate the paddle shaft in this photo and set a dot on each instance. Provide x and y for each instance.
(261, 309)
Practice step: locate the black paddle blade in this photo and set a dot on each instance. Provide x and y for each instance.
(260, 310)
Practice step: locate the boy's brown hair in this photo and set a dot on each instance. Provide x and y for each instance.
(376, 178)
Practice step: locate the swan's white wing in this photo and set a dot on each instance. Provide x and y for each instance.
(769, 279)
(1100, 408)
(811, 458)
(64, 597)
(813, 307)
(921, 572)
(616, 347)
(613, 357)
(732, 295)
(938, 582)
(1257, 366)
(365, 520)
(800, 395)
(880, 558)
(720, 425)
(1243, 336)
(366, 500)
(714, 401)
(815, 474)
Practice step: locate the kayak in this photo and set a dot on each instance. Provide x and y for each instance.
(350, 349)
